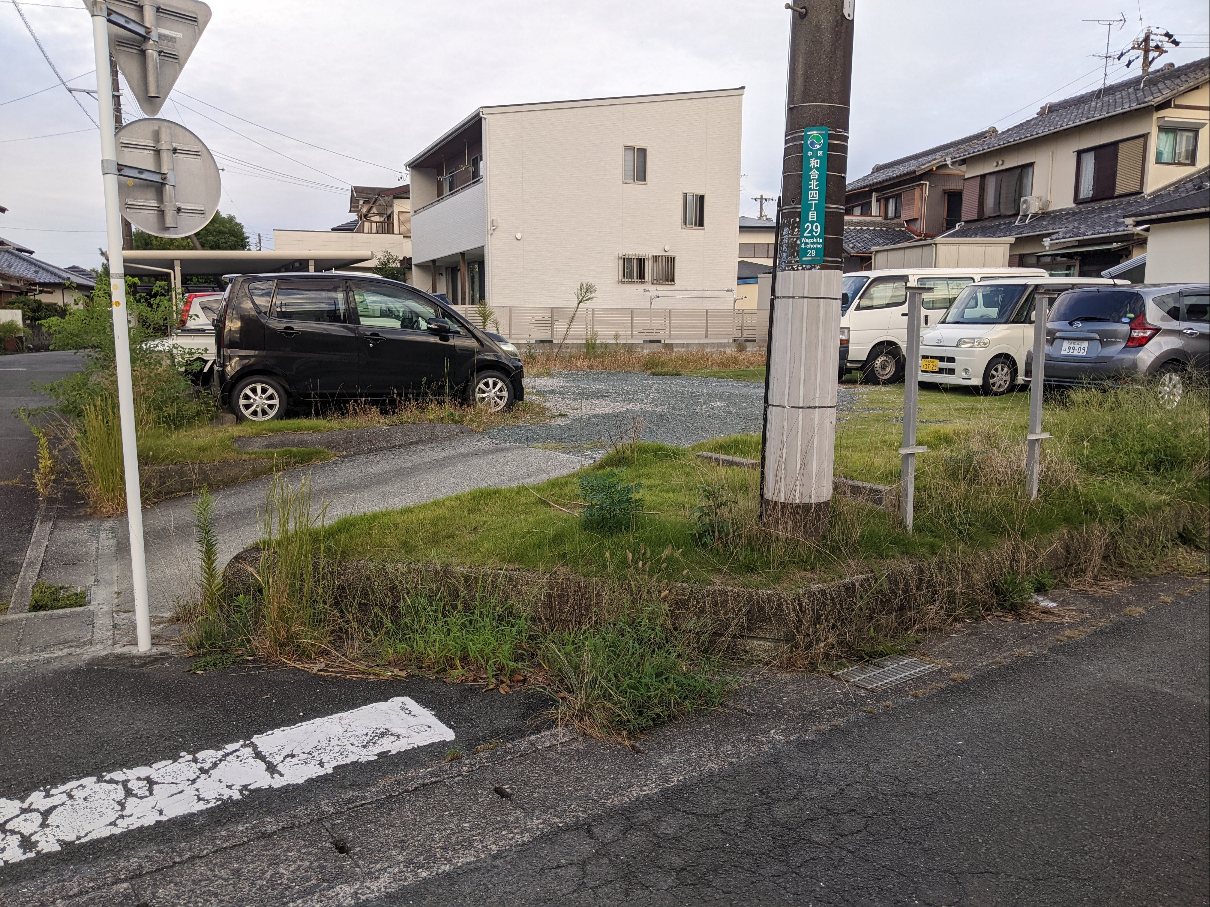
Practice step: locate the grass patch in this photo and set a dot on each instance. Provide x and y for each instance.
(745, 365)
(52, 597)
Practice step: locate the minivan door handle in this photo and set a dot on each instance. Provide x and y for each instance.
(1192, 332)
(289, 331)
(372, 337)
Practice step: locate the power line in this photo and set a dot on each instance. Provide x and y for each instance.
(51, 64)
(1048, 94)
(43, 90)
(263, 145)
(49, 135)
(290, 137)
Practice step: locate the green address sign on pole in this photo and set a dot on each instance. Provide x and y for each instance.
(814, 195)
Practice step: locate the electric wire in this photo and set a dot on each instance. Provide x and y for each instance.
(51, 63)
(46, 89)
(49, 135)
(292, 138)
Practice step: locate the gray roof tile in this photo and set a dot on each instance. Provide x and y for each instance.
(881, 174)
(859, 240)
(27, 268)
(1190, 194)
(1120, 97)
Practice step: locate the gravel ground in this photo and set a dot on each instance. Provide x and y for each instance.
(354, 440)
(597, 410)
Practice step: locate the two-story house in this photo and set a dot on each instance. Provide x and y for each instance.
(383, 224)
(1063, 182)
(519, 204)
(920, 193)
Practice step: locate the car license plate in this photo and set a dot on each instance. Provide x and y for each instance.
(1074, 348)
(930, 365)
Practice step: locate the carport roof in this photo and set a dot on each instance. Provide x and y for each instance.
(205, 261)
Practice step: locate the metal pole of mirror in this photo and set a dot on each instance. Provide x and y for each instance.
(121, 326)
(911, 402)
(1033, 440)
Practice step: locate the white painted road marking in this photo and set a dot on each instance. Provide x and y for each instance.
(93, 808)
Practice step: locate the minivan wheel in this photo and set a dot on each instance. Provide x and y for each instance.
(885, 366)
(1170, 385)
(491, 391)
(258, 399)
(999, 377)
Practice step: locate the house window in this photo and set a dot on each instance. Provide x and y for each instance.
(953, 209)
(634, 168)
(693, 210)
(663, 269)
(476, 163)
(1176, 146)
(1110, 170)
(756, 250)
(1004, 189)
(861, 210)
(632, 268)
(889, 207)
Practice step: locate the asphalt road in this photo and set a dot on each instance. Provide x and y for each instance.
(1072, 774)
(19, 451)
(1078, 778)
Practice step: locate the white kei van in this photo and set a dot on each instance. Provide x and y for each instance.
(873, 307)
(982, 341)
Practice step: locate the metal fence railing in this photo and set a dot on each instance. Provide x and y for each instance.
(537, 324)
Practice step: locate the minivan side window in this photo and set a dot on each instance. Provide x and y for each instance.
(1196, 306)
(884, 293)
(310, 300)
(942, 291)
(387, 306)
(261, 294)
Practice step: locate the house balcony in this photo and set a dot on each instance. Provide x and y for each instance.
(456, 222)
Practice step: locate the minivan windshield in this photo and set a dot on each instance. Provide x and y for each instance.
(985, 304)
(1097, 305)
(850, 286)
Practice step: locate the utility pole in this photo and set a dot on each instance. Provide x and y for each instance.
(804, 329)
(1151, 49)
(116, 94)
(762, 200)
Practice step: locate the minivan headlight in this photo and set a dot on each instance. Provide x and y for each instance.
(510, 348)
(844, 335)
(974, 343)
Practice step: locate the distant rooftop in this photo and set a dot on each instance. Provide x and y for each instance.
(921, 161)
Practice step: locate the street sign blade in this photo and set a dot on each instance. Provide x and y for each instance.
(814, 196)
(152, 61)
(168, 182)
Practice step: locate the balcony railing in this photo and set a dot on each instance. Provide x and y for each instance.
(476, 181)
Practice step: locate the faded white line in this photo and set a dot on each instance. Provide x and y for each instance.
(97, 807)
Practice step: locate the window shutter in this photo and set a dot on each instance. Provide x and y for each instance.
(1105, 172)
(911, 204)
(1130, 166)
(971, 187)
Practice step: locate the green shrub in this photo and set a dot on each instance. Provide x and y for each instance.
(52, 597)
(96, 438)
(611, 505)
(628, 675)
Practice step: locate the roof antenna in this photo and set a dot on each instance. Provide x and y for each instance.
(1109, 24)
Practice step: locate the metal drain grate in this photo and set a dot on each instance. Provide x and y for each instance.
(885, 672)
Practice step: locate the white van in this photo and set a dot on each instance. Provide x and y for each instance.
(982, 340)
(873, 306)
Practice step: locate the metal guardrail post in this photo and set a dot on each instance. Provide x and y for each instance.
(707, 337)
(911, 402)
(1033, 440)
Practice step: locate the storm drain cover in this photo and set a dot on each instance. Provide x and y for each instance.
(885, 672)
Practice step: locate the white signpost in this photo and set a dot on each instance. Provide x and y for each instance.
(150, 52)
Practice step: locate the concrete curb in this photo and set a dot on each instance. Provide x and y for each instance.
(32, 565)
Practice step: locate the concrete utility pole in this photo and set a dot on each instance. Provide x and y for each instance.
(804, 331)
(762, 200)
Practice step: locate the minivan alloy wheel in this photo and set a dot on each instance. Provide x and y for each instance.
(1170, 387)
(492, 392)
(259, 401)
(999, 377)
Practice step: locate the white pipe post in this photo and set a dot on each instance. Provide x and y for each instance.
(121, 326)
(1033, 440)
(911, 404)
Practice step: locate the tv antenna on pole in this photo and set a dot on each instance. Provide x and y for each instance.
(1109, 24)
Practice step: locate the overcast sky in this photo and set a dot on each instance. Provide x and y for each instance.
(379, 79)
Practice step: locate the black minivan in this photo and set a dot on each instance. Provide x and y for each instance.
(286, 338)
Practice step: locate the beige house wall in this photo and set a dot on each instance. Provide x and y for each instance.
(559, 212)
(1179, 252)
(337, 241)
(1183, 112)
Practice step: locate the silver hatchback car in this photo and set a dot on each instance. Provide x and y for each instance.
(1099, 335)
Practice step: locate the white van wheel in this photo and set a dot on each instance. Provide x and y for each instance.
(885, 365)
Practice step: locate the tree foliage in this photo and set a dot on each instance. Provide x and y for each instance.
(223, 233)
(390, 266)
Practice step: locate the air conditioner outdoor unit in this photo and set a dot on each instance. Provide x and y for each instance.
(1033, 204)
